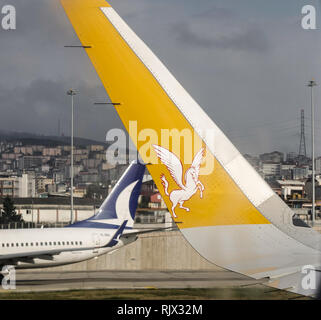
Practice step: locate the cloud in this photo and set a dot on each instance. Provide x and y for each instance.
(221, 28)
(251, 39)
(245, 62)
(39, 106)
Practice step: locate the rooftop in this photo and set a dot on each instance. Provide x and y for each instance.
(291, 182)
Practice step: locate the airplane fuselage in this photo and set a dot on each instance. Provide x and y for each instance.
(53, 246)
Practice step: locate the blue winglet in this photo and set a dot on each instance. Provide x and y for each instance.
(116, 236)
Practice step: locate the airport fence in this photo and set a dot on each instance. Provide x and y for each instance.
(32, 225)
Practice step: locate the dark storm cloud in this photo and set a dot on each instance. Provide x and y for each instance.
(39, 106)
(37, 18)
(36, 48)
(221, 28)
(37, 70)
(244, 61)
(216, 13)
(251, 39)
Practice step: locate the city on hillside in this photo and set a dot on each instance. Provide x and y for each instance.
(37, 176)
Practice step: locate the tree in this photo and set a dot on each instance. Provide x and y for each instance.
(95, 191)
(144, 202)
(8, 213)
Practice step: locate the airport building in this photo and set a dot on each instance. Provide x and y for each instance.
(55, 211)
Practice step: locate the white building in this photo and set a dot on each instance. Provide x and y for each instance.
(27, 186)
(270, 168)
(291, 188)
(18, 187)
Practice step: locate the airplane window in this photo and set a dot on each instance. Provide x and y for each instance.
(76, 243)
(12, 244)
(41, 243)
(80, 242)
(17, 244)
(3, 244)
(27, 244)
(50, 243)
(54, 243)
(21, 244)
(59, 243)
(63, 243)
(8, 244)
(46, 243)
(37, 244)
(68, 242)
(72, 243)
(31, 243)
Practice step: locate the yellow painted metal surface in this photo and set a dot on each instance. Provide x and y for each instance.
(128, 81)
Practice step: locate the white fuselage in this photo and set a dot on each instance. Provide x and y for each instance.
(39, 248)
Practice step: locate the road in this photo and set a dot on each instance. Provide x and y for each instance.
(68, 280)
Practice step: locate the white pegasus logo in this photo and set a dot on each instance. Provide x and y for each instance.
(174, 166)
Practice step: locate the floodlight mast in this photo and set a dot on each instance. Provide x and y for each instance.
(72, 93)
(312, 84)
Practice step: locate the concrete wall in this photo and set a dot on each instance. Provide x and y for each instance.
(155, 251)
(54, 215)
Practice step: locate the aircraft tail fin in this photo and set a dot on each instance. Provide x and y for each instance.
(121, 204)
(225, 210)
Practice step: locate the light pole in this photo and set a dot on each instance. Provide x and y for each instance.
(32, 212)
(312, 84)
(72, 93)
(94, 203)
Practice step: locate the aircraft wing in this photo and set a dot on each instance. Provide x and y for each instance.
(236, 221)
(138, 232)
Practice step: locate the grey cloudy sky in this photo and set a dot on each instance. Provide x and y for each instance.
(246, 62)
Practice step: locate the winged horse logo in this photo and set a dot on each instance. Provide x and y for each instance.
(174, 166)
